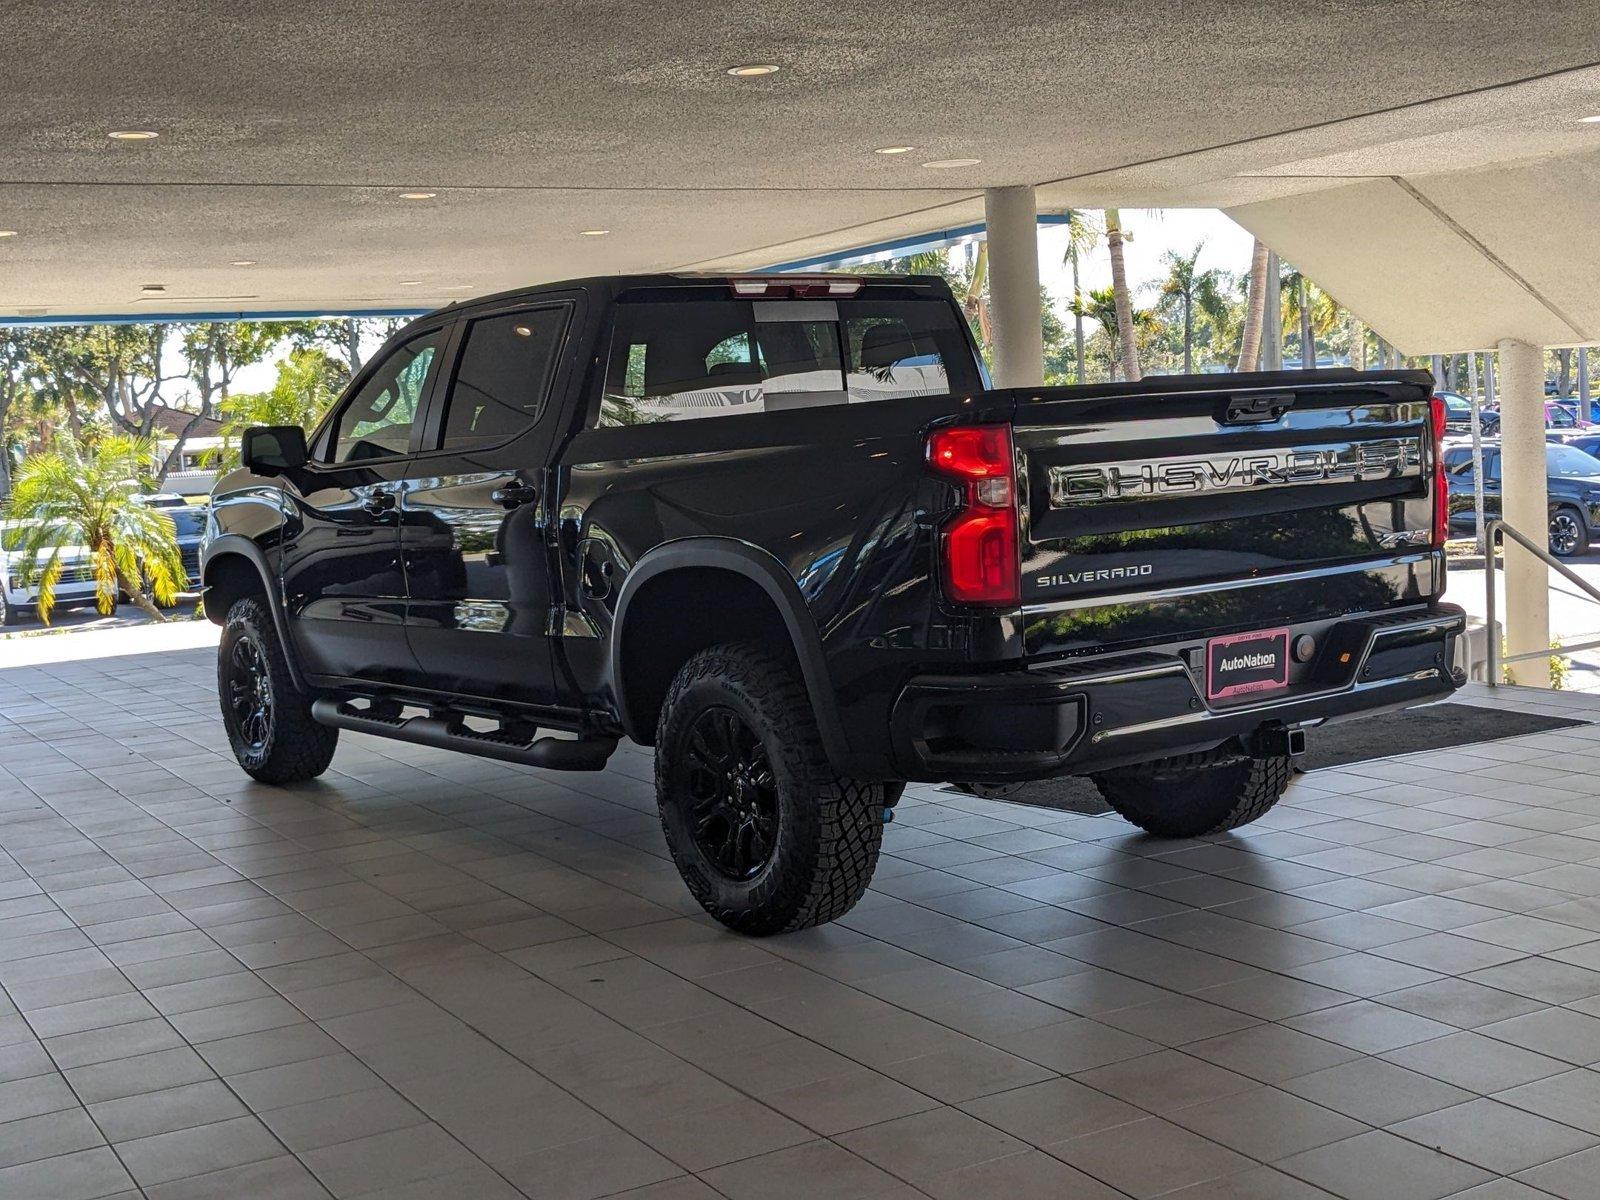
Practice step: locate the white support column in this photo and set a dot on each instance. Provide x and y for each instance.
(1524, 499)
(1016, 319)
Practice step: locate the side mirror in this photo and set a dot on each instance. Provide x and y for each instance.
(273, 449)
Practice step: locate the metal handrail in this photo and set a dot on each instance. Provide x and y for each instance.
(1492, 531)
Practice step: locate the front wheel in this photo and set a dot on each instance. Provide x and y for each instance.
(268, 719)
(1568, 533)
(766, 836)
(10, 614)
(1196, 794)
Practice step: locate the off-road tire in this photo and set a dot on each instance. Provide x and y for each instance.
(829, 829)
(1192, 795)
(296, 747)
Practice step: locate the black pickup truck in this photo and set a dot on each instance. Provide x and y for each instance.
(782, 530)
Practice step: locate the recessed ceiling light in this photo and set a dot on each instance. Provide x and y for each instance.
(243, 262)
(457, 287)
(753, 69)
(593, 232)
(418, 195)
(894, 149)
(1594, 120)
(411, 283)
(950, 164)
(153, 289)
(134, 135)
(5, 233)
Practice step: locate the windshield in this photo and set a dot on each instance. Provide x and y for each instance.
(1570, 463)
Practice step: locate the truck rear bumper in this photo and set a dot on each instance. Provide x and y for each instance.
(1090, 714)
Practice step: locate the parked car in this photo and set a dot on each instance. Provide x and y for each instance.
(781, 530)
(1458, 412)
(164, 500)
(19, 594)
(1589, 443)
(1573, 479)
(1572, 404)
(1555, 418)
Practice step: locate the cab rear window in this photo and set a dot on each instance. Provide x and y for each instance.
(674, 360)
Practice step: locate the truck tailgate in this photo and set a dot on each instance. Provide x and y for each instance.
(1180, 507)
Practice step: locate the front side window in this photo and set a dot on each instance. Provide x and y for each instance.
(377, 421)
(504, 372)
(674, 360)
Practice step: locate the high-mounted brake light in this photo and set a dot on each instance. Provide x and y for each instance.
(798, 287)
(980, 544)
(1438, 416)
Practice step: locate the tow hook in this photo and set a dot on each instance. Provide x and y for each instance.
(1275, 740)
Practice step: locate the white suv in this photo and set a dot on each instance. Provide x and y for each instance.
(76, 585)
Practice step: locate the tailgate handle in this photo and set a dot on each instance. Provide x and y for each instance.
(1259, 408)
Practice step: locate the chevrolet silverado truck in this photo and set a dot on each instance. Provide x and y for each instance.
(782, 530)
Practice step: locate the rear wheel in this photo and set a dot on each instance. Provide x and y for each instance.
(1196, 794)
(767, 837)
(268, 719)
(1569, 535)
(10, 614)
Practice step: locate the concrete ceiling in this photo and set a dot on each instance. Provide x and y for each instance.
(288, 131)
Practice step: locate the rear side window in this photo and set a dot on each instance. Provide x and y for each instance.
(504, 373)
(683, 359)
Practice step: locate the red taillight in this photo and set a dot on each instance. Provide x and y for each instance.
(1437, 417)
(980, 544)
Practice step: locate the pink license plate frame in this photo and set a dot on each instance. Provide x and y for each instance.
(1279, 638)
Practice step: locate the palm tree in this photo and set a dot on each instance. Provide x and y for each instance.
(1082, 236)
(1255, 308)
(1311, 311)
(1100, 304)
(77, 496)
(1187, 288)
(1126, 343)
(308, 382)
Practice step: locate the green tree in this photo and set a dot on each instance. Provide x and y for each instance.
(308, 383)
(215, 351)
(77, 496)
(1083, 235)
(1309, 313)
(1186, 290)
(1100, 304)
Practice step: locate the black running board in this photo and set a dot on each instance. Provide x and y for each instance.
(450, 733)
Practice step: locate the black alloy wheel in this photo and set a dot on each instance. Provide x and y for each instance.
(1567, 534)
(733, 794)
(250, 695)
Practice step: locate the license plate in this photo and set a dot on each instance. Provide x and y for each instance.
(1247, 662)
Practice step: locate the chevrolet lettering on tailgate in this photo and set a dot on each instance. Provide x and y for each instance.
(1386, 458)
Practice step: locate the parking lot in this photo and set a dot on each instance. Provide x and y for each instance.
(427, 975)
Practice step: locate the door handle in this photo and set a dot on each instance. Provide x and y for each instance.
(378, 503)
(514, 496)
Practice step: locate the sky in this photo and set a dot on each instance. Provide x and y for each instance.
(1154, 232)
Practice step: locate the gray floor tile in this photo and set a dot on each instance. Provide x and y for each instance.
(1382, 1166)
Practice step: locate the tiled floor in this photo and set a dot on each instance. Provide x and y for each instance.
(432, 976)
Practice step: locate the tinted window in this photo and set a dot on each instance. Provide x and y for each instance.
(376, 423)
(188, 521)
(675, 360)
(505, 368)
